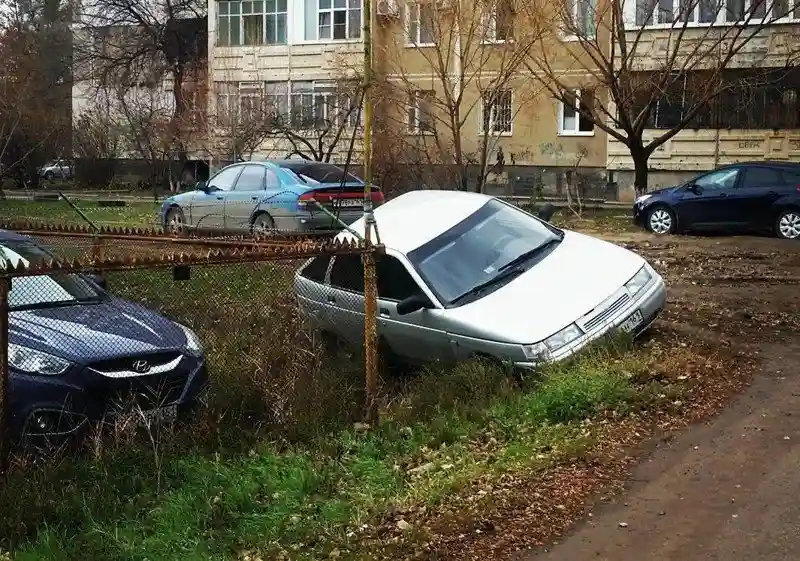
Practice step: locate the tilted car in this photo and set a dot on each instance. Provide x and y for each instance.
(760, 196)
(76, 353)
(466, 275)
(270, 195)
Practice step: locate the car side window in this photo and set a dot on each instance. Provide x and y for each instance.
(791, 178)
(272, 180)
(347, 273)
(251, 179)
(394, 280)
(225, 179)
(718, 180)
(755, 177)
(316, 268)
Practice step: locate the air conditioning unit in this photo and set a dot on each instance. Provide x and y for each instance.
(388, 9)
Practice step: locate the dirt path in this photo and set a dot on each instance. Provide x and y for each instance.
(727, 490)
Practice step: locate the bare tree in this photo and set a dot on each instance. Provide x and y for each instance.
(617, 72)
(144, 42)
(456, 93)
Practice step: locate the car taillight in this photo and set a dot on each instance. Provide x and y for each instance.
(306, 200)
(377, 197)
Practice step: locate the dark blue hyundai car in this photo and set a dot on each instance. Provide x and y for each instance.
(760, 196)
(76, 353)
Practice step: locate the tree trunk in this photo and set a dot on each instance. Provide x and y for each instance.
(640, 158)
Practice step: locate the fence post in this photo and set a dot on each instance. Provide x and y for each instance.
(371, 335)
(4, 408)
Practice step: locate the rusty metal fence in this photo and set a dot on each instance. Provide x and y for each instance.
(142, 326)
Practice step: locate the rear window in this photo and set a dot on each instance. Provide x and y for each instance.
(319, 172)
(316, 268)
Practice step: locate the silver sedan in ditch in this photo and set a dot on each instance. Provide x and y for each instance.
(466, 274)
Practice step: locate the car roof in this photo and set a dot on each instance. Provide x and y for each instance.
(414, 218)
(763, 163)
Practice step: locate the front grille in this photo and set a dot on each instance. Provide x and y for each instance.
(607, 313)
(146, 392)
(127, 362)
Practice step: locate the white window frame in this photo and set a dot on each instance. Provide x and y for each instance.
(265, 15)
(490, 20)
(413, 13)
(415, 109)
(493, 116)
(331, 11)
(576, 131)
(720, 18)
(575, 14)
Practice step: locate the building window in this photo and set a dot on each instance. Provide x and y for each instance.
(496, 112)
(499, 22)
(420, 112)
(582, 14)
(276, 102)
(666, 12)
(572, 116)
(324, 105)
(335, 19)
(420, 23)
(259, 22)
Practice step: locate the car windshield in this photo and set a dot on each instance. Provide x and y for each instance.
(318, 172)
(42, 291)
(477, 250)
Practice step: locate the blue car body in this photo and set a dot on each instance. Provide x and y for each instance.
(77, 353)
(270, 195)
(761, 196)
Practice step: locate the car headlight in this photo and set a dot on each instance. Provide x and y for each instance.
(35, 362)
(542, 350)
(193, 344)
(642, 199)
(639, 280)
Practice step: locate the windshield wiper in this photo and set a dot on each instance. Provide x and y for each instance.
(508, 274)
(528, 254)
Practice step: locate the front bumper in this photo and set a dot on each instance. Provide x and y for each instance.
(650, 303)
(61, 406)
(639, 216)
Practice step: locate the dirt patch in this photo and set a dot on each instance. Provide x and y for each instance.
(729, 299)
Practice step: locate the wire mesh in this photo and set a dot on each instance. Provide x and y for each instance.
(134, 330)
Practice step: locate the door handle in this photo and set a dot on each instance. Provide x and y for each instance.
(772, 192)
(385, 312)
(331, 299)
(253, 198)
(219, 198)
(723, 195)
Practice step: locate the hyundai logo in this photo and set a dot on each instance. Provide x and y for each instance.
(141, 366)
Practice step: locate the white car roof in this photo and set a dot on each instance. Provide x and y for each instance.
(414, 218)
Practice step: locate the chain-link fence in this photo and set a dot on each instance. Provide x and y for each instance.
(139, 327)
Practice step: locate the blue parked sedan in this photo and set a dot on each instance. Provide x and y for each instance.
(750, 196)
(270, 195)
(76, 353)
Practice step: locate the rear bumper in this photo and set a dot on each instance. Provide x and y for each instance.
(650, 304)
(314, 222)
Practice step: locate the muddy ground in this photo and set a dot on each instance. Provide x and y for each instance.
(683, 483)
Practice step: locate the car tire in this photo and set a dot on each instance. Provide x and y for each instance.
(49, 176)
(263, 225)
(787, 225)
(661, 221)
(175, 220)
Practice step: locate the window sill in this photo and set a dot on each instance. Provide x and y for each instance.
(576, 133)
(419, 133)
(484, 133)
(694, 24)
(328, 41)
(419, 45)
(576, 38)
(496, 41)
(259, 45)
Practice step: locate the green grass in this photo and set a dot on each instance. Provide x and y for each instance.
(134, 214)
(306, 498)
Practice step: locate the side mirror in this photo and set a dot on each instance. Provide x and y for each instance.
(99, 280)
(412, 304)
(201, 186)
(694, 188)
(546, 212)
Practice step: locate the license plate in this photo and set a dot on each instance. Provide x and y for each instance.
(348, 203)
(632, 322)
(159, 415)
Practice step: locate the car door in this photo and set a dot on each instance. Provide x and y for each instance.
(419, 336)
(208, 207)
(707, 202)
(343, 301)
(758, 189)
(244, 197)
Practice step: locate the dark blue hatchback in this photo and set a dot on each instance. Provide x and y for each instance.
(762, 196)
(77, 353)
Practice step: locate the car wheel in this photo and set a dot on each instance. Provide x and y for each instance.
(661, 221)
(175, 220)
(263, 224)
(49, 176)
(788, 225)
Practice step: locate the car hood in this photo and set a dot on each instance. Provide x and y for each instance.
(564, 286)
(663, 191)
(89, 332)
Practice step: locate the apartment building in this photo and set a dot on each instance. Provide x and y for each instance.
(301, 59)
(756, 116)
